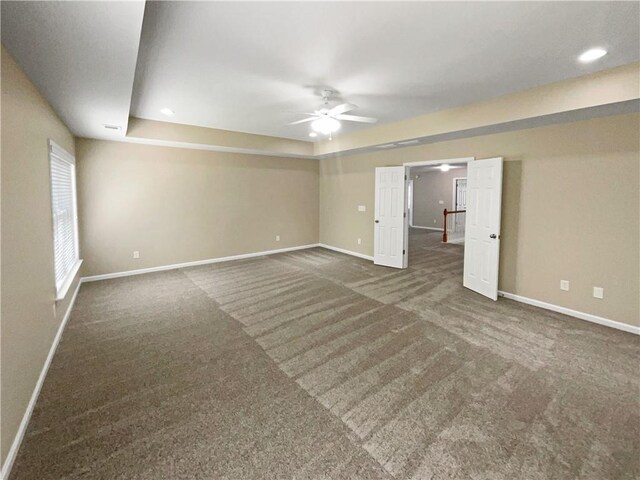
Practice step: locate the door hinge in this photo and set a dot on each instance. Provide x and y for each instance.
(405, 177)
(405, 214)
(403, 252)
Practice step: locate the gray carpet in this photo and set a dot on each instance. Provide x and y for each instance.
(316, 365)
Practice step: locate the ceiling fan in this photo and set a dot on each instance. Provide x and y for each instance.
(327, 120)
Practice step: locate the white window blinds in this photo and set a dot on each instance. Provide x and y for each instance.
(65, 230)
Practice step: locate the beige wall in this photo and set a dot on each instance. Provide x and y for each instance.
(429, 188)
(177, 205)
(29, 314)
(570, 208)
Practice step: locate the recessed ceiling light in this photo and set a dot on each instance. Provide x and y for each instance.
(445, 167)
(592, 54)
(167, 111)
(313, 134)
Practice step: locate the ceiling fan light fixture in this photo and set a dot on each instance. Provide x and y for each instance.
(325, 125)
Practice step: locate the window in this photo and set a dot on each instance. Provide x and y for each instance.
(66, 254)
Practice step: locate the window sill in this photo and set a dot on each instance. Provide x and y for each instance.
(64, 288)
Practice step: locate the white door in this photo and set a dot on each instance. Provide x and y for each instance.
(389, 217)
(482, 232)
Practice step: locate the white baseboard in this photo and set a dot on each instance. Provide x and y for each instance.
(141, 271)
(456, 240)
(17, 441)
(347, 252)
(428, 228)
(573, 313)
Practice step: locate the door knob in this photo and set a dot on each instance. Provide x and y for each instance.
(493, 235)
(377, 221)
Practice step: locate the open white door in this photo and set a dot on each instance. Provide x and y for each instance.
(388, 240)
(482, 232)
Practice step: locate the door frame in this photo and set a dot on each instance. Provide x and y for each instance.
(407, 168)
(410, 200)
(450, 161)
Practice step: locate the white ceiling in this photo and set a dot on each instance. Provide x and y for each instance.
(81, 56)
(253, 66)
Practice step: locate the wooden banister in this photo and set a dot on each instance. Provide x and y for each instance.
(445, 213)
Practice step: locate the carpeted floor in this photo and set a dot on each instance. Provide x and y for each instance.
(317, 365)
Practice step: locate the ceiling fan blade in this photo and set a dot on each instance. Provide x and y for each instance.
(356, 118)
(310, 119)
(345, 107)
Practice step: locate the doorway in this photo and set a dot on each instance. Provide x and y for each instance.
(435, 240)
(465, 206)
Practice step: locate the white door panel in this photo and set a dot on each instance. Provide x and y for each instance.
(389, 217)
(482, 230)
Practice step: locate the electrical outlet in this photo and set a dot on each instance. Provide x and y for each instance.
(359, 241)
(362, 208)
(598, 292)
(435, 221)
(441, 202)
(564, 285)
(277, 238)
(136, 254)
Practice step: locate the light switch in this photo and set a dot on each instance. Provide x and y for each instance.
(362, 208)
(564, 285)
(441, 202)
(598, 292)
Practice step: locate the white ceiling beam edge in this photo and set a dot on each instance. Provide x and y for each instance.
(211, 148)
(619, 108)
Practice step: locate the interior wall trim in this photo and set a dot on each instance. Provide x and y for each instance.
(618, 108)
(572, 313)
(17, 440)
(201, 146)
(127, 273)
(345, 251)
